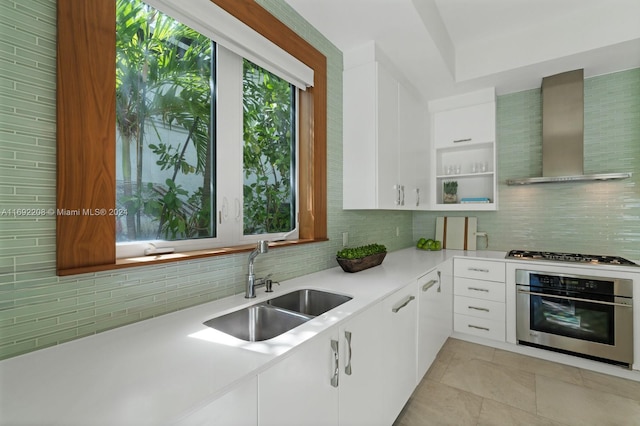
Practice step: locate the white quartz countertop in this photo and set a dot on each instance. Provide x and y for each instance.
(159, 370)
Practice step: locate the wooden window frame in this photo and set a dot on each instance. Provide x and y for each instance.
(86, 134)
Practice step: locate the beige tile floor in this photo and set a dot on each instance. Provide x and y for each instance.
(470, 384)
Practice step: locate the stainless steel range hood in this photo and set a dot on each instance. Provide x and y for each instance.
(563, 132)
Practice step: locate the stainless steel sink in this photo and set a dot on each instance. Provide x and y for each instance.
(266, 320)
(309, 302)
(257, 322)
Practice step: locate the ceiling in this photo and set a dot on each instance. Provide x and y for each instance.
(446, 47)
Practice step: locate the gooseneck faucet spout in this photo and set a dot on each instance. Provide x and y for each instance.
(250, 291)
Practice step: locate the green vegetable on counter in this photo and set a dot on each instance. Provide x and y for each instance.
(429, 244)
(360, 252)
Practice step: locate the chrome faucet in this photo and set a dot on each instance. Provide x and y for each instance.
(252, 281)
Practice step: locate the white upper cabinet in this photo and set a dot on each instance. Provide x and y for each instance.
(385, 139)
(465, 126)
(413, 151)
(463, 150)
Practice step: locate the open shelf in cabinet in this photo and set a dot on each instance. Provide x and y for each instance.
(473, 167)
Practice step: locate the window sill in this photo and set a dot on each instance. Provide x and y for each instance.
(133, 262)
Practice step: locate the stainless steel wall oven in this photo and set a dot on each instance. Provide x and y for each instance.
(578, 314)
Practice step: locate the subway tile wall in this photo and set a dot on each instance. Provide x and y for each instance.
(594, 217)
(38, 308)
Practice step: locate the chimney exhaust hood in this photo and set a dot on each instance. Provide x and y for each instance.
(563, 132)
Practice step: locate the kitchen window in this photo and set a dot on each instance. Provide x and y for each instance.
(87, 171)
(206, 140)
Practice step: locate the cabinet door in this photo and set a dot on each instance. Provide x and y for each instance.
(465, 126)
(413, 151)
(238, 407)
(435, 315)
(399, 351)
(359, 146)
(360, 369)
(387, 139)
(370, 134)
(301, 389)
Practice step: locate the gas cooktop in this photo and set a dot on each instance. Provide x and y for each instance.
(569, 257)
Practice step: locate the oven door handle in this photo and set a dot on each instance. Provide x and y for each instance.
(577, 299)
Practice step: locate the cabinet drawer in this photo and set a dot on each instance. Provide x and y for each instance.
(479, 308)
(479, 269)
(481, 327)
(478, 289)
(465, 126)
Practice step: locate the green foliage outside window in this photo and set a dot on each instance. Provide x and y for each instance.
(164, 84)
(163, 74)
(268, 152)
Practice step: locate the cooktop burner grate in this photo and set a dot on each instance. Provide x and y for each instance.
(569, 257)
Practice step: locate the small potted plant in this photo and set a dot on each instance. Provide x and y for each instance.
(450, 192)
(359, 258)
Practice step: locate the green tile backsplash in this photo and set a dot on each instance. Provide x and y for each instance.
(39, 309)
(587, 217)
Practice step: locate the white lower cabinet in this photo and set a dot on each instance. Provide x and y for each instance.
(435, 314)
(479, 301)
(363, 371)
(334, 380)
(237, 407)
(361, 398)
(399, 352)
(302, 388)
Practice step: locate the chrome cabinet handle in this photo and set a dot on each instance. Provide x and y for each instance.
(462, 140)
(397, 188)
(478, 270)
(417, 197)
(395, 309)
(478, 309)
(238, 209)
(478, 289)
(336, 368)
(428, 285)
(402, 190)
(478, 327)
(439, 282)
(347, 368)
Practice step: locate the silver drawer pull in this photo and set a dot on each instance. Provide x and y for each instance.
(479, 270)
(347, 368)
(403, 304)
(478, 327)
(478, 309)
(336, 371)
(428, 285)
(478, 289)
(462, 140)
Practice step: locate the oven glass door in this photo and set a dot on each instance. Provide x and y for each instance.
(556, 313)
(573, 307)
